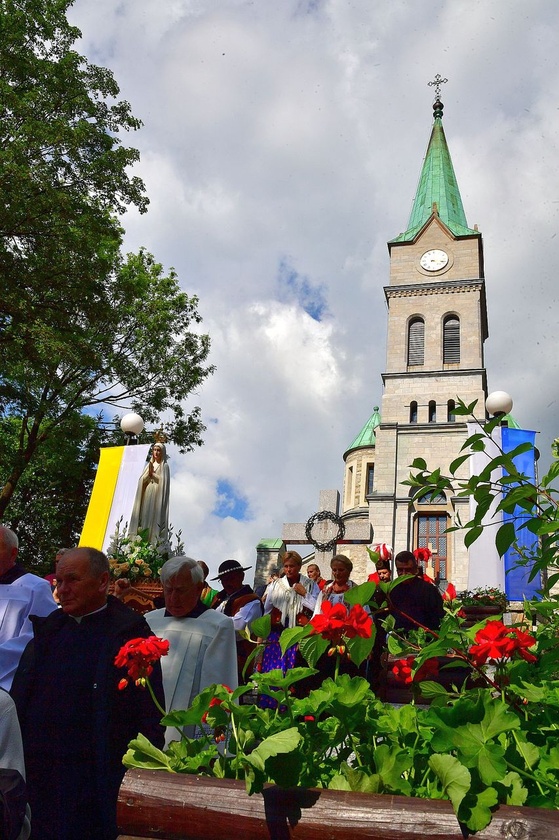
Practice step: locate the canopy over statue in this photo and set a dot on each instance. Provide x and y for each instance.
(151, 506)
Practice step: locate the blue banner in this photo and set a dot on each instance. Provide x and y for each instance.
(517, 585)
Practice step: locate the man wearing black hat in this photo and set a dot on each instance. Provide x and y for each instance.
(241, 603)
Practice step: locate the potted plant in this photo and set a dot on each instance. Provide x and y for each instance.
(480, 603)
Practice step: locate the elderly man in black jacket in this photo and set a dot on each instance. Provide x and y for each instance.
(75, 722)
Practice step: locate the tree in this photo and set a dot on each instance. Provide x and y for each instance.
(64, 175)
(134, 350)
(80, 326)
(62, 470)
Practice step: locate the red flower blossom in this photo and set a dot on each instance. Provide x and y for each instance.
(331, 622)
(422, 555)
(429, 670)
(450, 592)
(215, 701)
(402, 670)
(138, 656)
(336, 621)
(523, 641)
(492, 643)
(359, 623)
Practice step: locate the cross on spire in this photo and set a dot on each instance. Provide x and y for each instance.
(436, 83)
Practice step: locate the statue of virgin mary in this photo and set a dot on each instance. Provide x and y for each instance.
(151, 505)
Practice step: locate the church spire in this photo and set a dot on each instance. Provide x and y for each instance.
(437, 191)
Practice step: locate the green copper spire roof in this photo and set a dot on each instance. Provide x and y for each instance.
(437, 186)
(366, 436)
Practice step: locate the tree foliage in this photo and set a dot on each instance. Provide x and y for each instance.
(138, 352)
(80, 325)
(64, 174)
(63, 470)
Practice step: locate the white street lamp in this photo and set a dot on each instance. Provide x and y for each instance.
(499, 403)
(132, 425)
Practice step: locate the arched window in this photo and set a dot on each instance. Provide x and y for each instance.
(413, 412)
(451, 340)
(450, 406)
(436, 498)
(416, 341)
(432, 411)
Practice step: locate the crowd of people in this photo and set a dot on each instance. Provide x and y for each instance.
(74, 721)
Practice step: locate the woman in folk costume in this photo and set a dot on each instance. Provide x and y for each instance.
(291, 600)
(334, 591)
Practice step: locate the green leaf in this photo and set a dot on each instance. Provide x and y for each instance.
(261, 627)
(293, 635)
(356, 780)
(430, 689)
(454, 777)
(457, 463)
(505, 537)
(277, 679)
(391, 764)
(281, 742)
(473, 535)
(351, 691)
(359, 648)
(361, 594)
(517, 792)
(141, 753)
(475, 809)
(419, 464)
(312, 648)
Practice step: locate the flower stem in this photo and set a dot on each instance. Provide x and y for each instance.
(154, 698)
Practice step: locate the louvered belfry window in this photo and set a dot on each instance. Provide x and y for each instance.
(451, 340)
(416, 342)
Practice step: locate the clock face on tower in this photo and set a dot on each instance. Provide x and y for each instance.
(434, 260)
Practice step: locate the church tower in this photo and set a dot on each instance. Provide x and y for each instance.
(437, 325)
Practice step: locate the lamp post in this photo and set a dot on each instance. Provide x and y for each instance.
(499, 404)
(132, 425)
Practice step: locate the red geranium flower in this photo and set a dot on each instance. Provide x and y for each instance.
(402, 670)
(138, 656)
(331, 621)
(450, 593)
(336, 621)
(492, 643)
(429, 669)
(215, 701)
(359, 623)
(523, 641)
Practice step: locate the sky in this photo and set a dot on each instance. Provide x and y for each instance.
(281, 147)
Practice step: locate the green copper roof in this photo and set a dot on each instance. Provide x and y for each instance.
(437, 185)
(366, 436)
(270, 543)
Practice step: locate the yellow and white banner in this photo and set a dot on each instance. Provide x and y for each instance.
(113, 494)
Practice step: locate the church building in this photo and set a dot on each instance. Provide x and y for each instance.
(437, 326)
